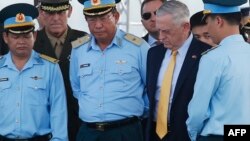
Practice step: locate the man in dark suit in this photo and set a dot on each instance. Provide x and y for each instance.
(148, 11)
(172, 20)
(55, 40)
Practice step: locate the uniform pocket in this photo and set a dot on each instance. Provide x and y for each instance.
(121, 69)
(4, 91)
(4, 85)
(120, 75)
(37, 93)
(84, 75)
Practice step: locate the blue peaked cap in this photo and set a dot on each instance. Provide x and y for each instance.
(18, 18)
(222, 6)
(98, 7)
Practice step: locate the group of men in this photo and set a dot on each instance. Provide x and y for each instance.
(61, 84)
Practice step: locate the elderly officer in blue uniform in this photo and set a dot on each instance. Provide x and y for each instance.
(32, 93)
(107, 73)
(222, 92)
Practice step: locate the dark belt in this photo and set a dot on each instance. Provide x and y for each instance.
(210, 138)
(46, 137)
(102, 126)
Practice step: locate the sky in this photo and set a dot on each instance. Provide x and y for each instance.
(77, 21)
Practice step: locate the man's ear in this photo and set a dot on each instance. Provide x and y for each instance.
(117, 16)
(35, 35)
(219, 20)
(70, 11)
(5, 37)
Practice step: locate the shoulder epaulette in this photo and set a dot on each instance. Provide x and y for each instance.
(48, 58)
(80, 41)
(205, 52)
(133, 39)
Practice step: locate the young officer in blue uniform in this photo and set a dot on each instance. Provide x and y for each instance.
(222, 92)
(32, 93)
(107, 73)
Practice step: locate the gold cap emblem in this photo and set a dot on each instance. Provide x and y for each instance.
(95, 2)
(20, 18)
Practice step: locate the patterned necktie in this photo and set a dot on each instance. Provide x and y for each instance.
(161, 122)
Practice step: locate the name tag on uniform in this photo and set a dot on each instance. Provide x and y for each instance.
(84, 65)
(4, 79)
(36, 77)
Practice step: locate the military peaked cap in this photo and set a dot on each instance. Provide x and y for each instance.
(98, 7)
(196, 19)
(18, 18)
(222, 6)
(55, 5)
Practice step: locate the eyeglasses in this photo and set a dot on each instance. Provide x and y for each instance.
(147, 15)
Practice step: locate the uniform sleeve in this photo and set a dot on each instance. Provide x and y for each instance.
(58, 106)
(144, 51)
(74, 79)
(205, 86)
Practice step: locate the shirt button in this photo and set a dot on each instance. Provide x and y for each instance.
(17, 121)
(120, 71)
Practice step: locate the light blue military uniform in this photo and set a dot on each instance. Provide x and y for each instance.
(109, 84)
(32, 100)
(222, 88)
(222, 92)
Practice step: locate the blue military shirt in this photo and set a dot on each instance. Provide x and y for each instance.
(33, 100)
(222, 89)
(109, 84)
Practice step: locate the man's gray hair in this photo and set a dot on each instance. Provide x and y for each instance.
(177, 9)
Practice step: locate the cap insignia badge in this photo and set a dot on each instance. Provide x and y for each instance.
(95, 2)
(20, 18)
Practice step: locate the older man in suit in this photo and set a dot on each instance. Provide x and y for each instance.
(55, 40)
(170, 93)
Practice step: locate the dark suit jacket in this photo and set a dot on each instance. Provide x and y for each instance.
(145, 37)
(43, 45)
(183, 91)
